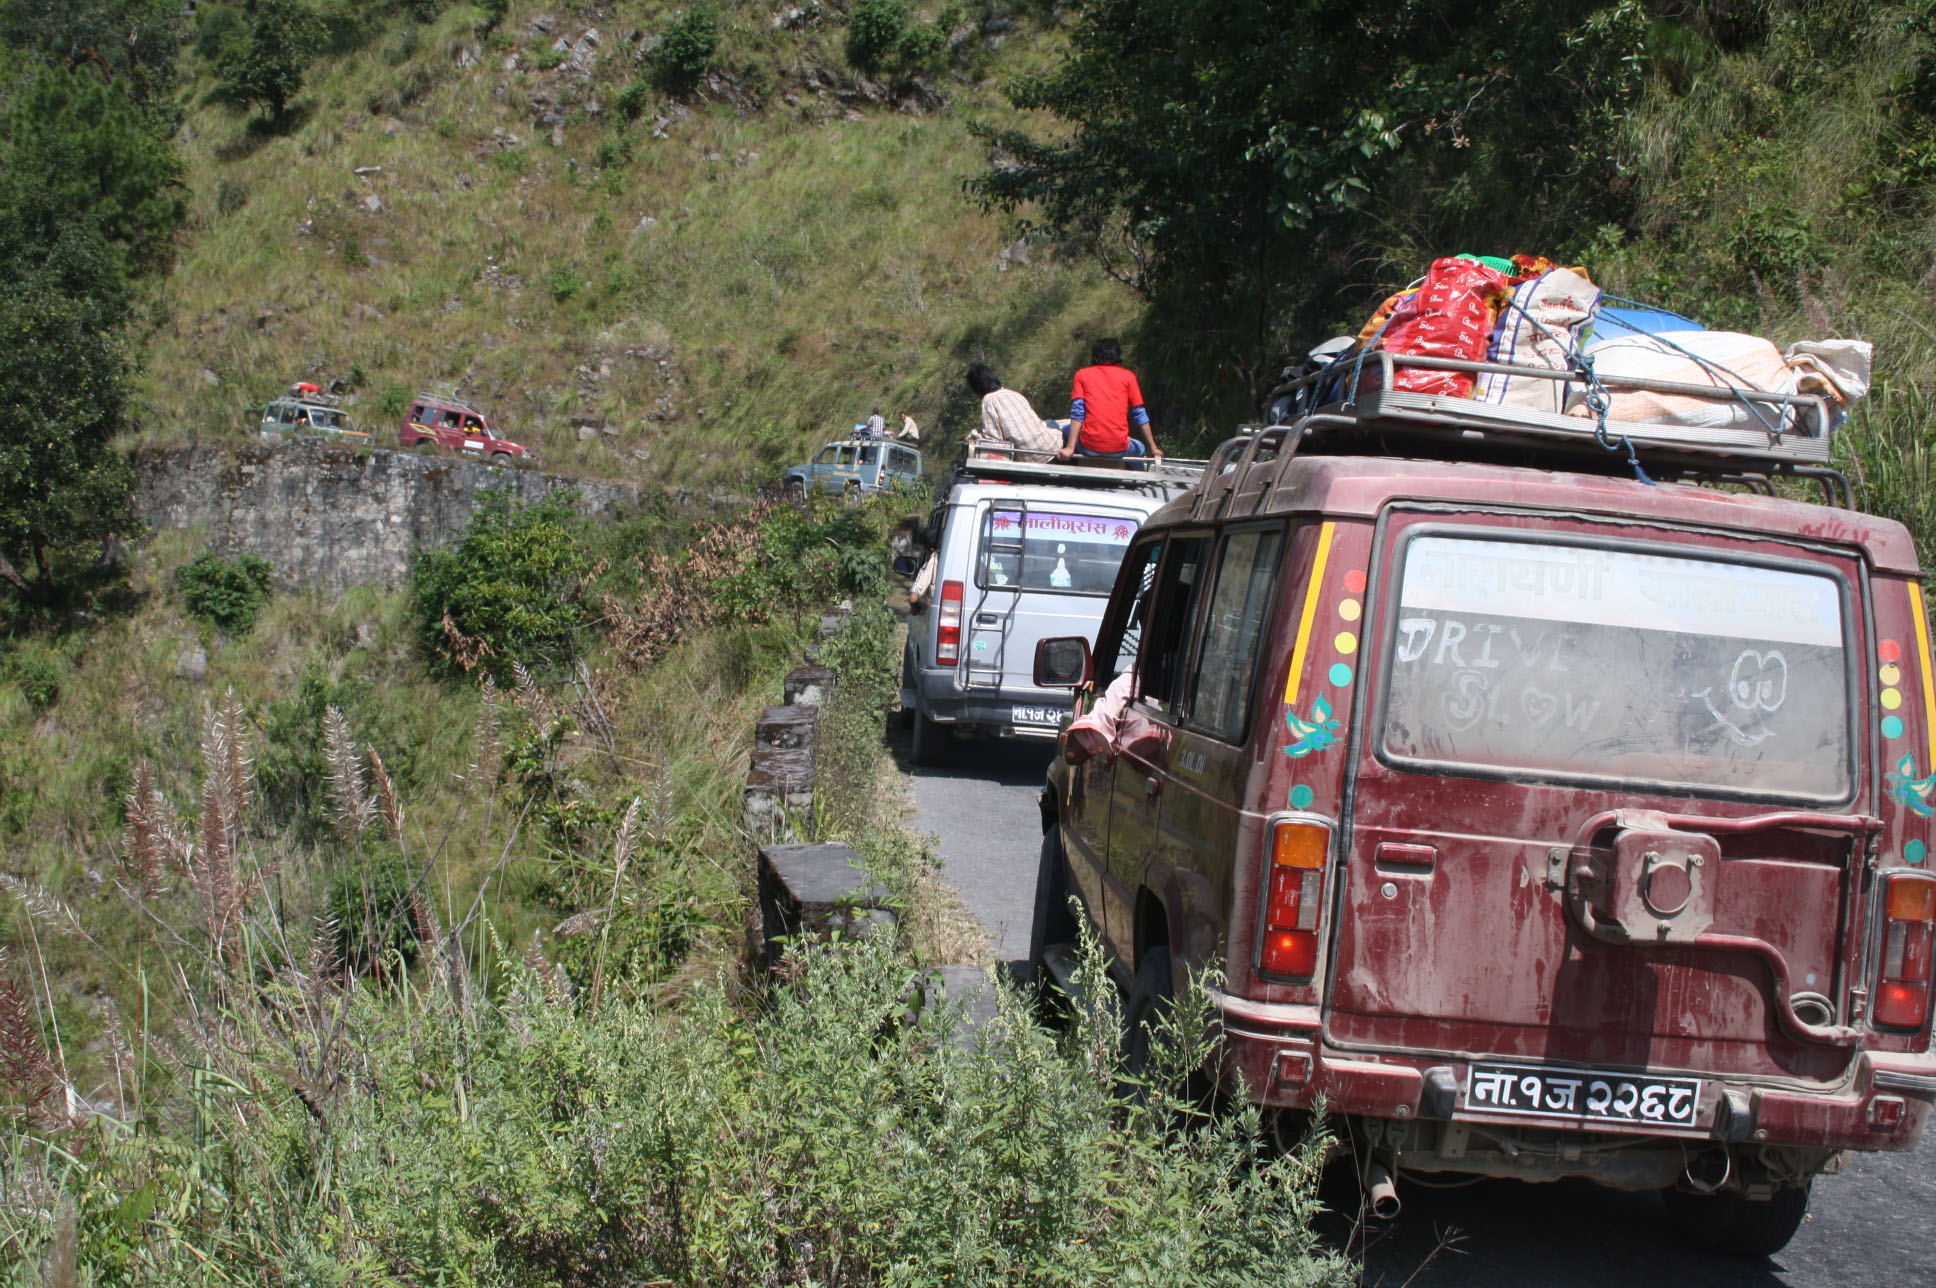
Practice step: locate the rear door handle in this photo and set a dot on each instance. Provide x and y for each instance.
(1152, 788)
(1404, 860)
(988, 619)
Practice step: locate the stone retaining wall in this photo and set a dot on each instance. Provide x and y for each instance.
(331, 516)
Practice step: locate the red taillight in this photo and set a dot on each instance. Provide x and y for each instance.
(1294, 897)
(1908, 937)
(947, 635)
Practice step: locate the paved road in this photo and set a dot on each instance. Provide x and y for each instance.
(981, 806)
(1870, 1227)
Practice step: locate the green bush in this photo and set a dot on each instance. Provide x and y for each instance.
(563, 281)
(923, 44)
(846, 1133)
(631, 101)
(805, 558)
(40, 672)
(369, 902)
(685, 52)
(393, 401)
(874, 31)
(508, 591)
(226, 593)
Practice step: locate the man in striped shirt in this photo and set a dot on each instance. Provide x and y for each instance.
(1006, 416)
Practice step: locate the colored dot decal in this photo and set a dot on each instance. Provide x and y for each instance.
(1915, 851)
(1892, 726)
(1891, 674)
(1889, 651)
(1891, 699)
(1346, 642)
(1302, 796)
(1350, 609)
(1340, 674)
(1354, 581)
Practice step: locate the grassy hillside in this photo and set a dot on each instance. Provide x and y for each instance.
(724, 280)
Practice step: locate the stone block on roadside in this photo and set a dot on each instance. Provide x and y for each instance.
(816, 889)
(810, 686)
(785, 727)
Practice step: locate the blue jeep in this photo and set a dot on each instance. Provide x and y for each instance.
(856, 465)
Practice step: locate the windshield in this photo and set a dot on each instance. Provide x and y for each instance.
(1064, 551)
(1567, 661)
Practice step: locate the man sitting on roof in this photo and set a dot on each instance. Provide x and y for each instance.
(1105, 402)
(1006, 417)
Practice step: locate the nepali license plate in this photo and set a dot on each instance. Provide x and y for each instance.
(1582, 1095)
(1036, 715)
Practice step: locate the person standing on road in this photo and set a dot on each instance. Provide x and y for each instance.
(1105, 404)
(1006, 416)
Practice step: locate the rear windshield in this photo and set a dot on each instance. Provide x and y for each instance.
(1064, 551)
(1575, 662)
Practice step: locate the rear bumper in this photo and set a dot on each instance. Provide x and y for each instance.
(1276, 1053)
(1001, 712)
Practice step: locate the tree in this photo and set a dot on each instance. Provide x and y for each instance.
(63, 393)
(82, 145)
(874, 31)
(262, 63)
(1245, 166)
(134, 43)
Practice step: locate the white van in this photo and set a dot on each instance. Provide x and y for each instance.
(1026, 552)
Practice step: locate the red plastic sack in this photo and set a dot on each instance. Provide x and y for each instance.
(1449, 317)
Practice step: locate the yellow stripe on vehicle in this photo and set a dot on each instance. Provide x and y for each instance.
(1921, 616)
(1311, 594)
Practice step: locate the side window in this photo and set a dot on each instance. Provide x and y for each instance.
(826, 456)
(870, 456)
(1114, 652)
(1172, 617)
(290, 414)
(417, 414)
(1226, 667)
(472, 425)
(846, 458)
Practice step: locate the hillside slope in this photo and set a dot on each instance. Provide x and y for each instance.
(716, 283)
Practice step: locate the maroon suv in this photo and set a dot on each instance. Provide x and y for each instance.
(1547, 820)
(435, 422)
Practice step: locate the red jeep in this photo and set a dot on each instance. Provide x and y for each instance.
(1547, 821)
(435, 422)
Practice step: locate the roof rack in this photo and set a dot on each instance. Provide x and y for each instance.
(1354, 399)
(1005, 462)
(451, 400)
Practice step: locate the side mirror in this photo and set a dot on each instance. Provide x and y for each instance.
(1062, 662)
(906, 565)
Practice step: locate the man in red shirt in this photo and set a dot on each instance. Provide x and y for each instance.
(1105, 404)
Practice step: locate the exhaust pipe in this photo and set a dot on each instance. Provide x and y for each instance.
(1381, 1191)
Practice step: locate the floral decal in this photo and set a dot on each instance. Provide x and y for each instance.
(1915, 793)
(1316, 733)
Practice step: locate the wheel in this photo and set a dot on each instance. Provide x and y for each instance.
(1734, 1225)
(1053, 923)
(500, 458)
(1150, 1000)
(424, 445)
(796, 491)
(930, 740)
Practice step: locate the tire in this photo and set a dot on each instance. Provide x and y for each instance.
(930, 744)
(500, 458)
(425, 446)
(1053, 923)
(1149, 1001)
(796, 492)
(1735, 1226)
